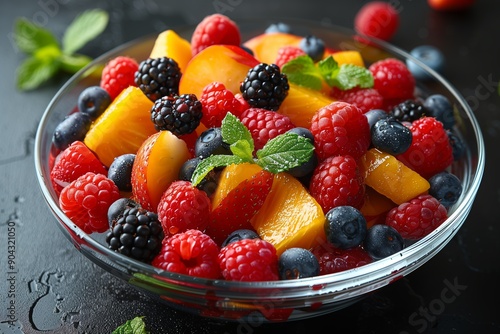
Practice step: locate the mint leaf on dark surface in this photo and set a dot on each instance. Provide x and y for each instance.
(83, 29)
(284, 152)
(29, 37)
(34, 71)
(134, 326)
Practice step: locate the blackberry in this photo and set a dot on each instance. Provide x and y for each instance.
(136, 233)
(178, 114)
(409, 111)
(158, 77)
(265, 87)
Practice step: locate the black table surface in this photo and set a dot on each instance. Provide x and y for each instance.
(58, 290)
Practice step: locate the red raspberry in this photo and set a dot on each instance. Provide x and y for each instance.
(392, 79)
(73, 162)
(265, 124)
(418, 217)
(430, 151)
(287, 53)
(87, 199)
(190, 253)
(216, 101)
(377, 19)
(340, 128)
(249, 260)
(337, 181)
(365, 99)
(332, 260)
(183, 207)
(118, 74)
(215, 29)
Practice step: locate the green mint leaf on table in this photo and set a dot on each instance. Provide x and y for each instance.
(83, 29)
(280, 154)
(45, 56)
(134, 326)
(284, 152)
(29, 37)
(302, 71)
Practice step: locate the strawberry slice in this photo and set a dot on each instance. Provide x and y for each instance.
(239, 206)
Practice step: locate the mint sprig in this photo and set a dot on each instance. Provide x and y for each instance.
(134, 326)
(280, 154)
(304, 72)
(46, 56)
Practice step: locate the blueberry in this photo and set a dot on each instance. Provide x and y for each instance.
(120, 171)
(187, 169)
(247, 49)
(374, 115)
(304, 132)
(446, 188)
(313, 46)
(382, 241)
(345, 227)
(391, 136)
(209, 182)
(457, 145)
(93, 101)
(296, 263)
(440, 107)
(430, 56)
(278, 27)
(117, 208)
(240, 235)
(74, 127)
(210, 143)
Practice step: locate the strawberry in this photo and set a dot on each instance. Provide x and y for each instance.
(445, 5)
(239, 206)
(73, 162)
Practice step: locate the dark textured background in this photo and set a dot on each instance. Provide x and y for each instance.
(58, 290)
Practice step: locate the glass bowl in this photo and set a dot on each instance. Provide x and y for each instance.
(276, 300)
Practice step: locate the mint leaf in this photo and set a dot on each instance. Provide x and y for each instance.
(213, 161)
(34, 71)
(74, 63)
(284, 152)
(29, 37)
(302, 71)
(350, 76)
(328, 68)
(134, 326)
(233, 130)
(83, 29)
(243, 149)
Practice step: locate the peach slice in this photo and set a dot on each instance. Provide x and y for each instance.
(390, 177)
(301, 104)
(290, 216)
(375, 206)
(265, 46)
(170, 44)
(157, 164)
(227, 64)
(123, 126)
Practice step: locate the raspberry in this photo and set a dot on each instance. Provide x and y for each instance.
(365, 99)
(73, 162)
(249, 260)
(287, 53)
(183, 207)
(87, 199)
(265, 87)
(340, 128)
(332, 260)
(265, 125)
(377, 19)
(337, 181)
(430, 151)
(158, 77)
(418, 217)
(118, 74)
(136, 233)
(178, 114)
(216, 101)
(215, 29)
(392, 79)
(190, 253)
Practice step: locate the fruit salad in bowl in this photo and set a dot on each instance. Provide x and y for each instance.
(251, 169)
